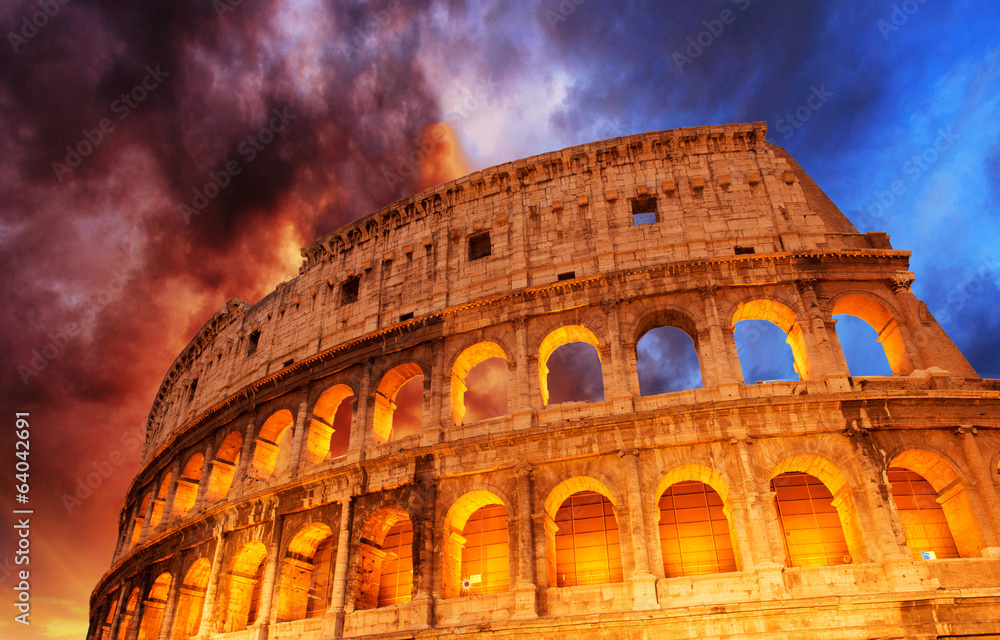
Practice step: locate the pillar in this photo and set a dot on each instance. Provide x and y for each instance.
(361, 418)
(720, 360)
(119, 612)
(246, 462)
(140, 609)
(643, 580)
(168, 505)
(338, 594)
(203, 480)
(985, 493)
(170, 608)
(614, 370)
(423, 575)
(519, 394)
(208, 623)
(269, 578)
(825, 361)
(765, 530)
(525, 591)
(437, 403)
(298, 436)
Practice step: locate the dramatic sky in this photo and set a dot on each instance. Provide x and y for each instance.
(115, 113)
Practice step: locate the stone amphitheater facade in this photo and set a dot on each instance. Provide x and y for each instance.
(254, 517)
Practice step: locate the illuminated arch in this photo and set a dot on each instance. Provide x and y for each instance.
(156, 508)
(782, 316)
(581, 534)
(272, 449)
(920, 514)
(128, 614)
(555, 339)
(385, 397)
(304, 590)
(828, 532)
(466, 361)
(385, 557)
(243, 593)
(695, 523)
(672, 327)
(191, 601)
(321, 426)
(473, 553)
(881, 319)
(153, 608)
(224, 467)
(140, 518)
(187, 485)
(104, 631)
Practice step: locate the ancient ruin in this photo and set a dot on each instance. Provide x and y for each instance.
(277, 499)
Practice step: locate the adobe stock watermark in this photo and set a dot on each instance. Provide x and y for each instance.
(94, 476)
(249, 149)
(898, 17)
(914, 168)
(698, 43)
(31, 26)
(792, 122)
(123, 106)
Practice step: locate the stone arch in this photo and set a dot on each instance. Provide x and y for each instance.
(273, 447)
(140, 518)
(227, 457)
(784, 317)
(154, 607)
(726, 550)
(375, 554)
(553, 340)
(586, 558)
(187, 485)
(467, 360)
(884, 321)
(385, 397)
(304, 590)
(841, 499)
(951, 496)
(321, 427)
(104, 630)
(458, 565)
(667, 317)
(244, 583)
(191, 600)
(159, 502)
(128, 614)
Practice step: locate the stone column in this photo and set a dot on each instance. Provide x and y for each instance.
(299, 435)
(205, 477)
(423, 574)
(822, 357)
(615, 379)
(338, 594)
(170, 607)
(119, 613)
(643, 580)
(140, 608)
(721, 363)
(764, 527)
(984, 492)
(520, 394)
(525, 591)
(269, 578)
(246, 453)
(209, 624)
(874, 521)
(168, 505)
(437, 403)
(361, 436)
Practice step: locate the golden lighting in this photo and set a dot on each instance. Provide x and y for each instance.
(923, 518)
(396, 579)
(813, 532)
(694, 531)
(485, 558)
(586, 544)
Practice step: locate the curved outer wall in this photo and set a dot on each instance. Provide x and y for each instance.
(741, 232)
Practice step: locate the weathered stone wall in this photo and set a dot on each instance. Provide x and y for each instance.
(719, 192)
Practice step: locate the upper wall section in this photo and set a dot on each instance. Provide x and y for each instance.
(715, 192)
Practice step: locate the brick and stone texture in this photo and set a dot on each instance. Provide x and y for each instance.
(243, 523)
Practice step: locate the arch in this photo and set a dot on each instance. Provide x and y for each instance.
(556, 338)
(156, 507)
(817, 512)
(140, 518)
(224, 466)
(385, 557)
(385, 397)
(321, 444)
(483, 550)
(781, 315)
(187, 485)
(467, 360)
(153, 608)
(699, 500)
(273, 447)
(881, 319)
(128, 614)
(678, 347)
(104, 632)
(919, 511)
(191, 600)
(243, 592)
(581, 534)
(304, 590)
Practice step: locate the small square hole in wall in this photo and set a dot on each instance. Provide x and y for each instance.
(479, 246)
(406, 316)
(252, 342)
(644, 210)
(744, 250)
(569, 275)
(349, 290)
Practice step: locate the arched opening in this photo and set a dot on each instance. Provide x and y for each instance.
(695, 534)
(273, 447)
(666, 361)
(128, 615)
(224, 467)
(863, 358)
(105, 630)
(476, 546)
(582, 539)
(569, 366)
(140, 519)
(862, 352)
(191, 600)
(385, 554)
(760, 327)
(244, 579)
(936, 510)
(399, 401)
(813, 533)
(306, 574)
(187, 485)
(330, 427)
(156, 509)
(153, 608)
(479, 383)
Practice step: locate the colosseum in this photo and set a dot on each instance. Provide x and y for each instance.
(277, 497)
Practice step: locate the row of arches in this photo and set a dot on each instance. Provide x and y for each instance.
(583, 526)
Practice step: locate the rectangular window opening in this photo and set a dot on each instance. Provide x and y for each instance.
(252, 342)
(569, 275)
(349, 290)
(644, 210)
(406, 316)
(479, 246)
(744, 250)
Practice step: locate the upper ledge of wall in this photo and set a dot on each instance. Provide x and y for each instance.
(572, 160)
